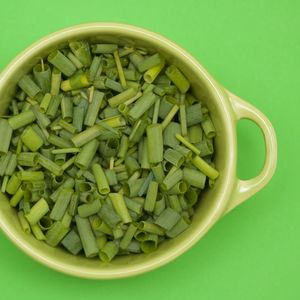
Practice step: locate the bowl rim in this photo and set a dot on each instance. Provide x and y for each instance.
(218, 92)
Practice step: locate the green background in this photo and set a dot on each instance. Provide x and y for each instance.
(253, 49)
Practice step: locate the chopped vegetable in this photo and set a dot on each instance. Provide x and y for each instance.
(105, 151)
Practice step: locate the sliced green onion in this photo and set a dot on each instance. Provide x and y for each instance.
(208, 128)
(128, 236)
(194, 114)
(150, 243)
(104, 48)
(120, 207)
(72, 242)
(178, 78)
(24, 223)
(108, 252)
(174, 157)
(42, 75)
(62, 63)
(151, 74)
(171, 179)
(93, 108)
(170, 116)
(204, 167)
(142, 105)
(168, 218)
(50, 165)
(109, 216)
(187, 144)
(86, 210)
(178, 228)
(151, 228)
(61, 204)
(56, 233)
(85, 156)
(37, 232)
(66, 109)
(29, 86)
(81, 50)
(151, 196)
(195, 134)
(115, 101)
(101, 180)
(155, 143)
(38, 210)
(149, 62)
(18, 121)
(31, 139)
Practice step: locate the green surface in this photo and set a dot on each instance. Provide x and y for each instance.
(252, 48)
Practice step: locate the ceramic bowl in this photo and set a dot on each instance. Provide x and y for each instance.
(226, 110)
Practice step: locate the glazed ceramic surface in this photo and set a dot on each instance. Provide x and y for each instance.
(226, 110)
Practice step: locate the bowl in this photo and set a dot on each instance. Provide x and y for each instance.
(226, 110)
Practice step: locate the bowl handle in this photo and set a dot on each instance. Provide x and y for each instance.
(244, 189)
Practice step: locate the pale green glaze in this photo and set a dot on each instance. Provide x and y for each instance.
(226, 109)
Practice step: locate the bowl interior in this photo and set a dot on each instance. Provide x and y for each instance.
(212, 202)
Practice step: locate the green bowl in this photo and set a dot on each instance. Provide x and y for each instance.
(226, 110)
